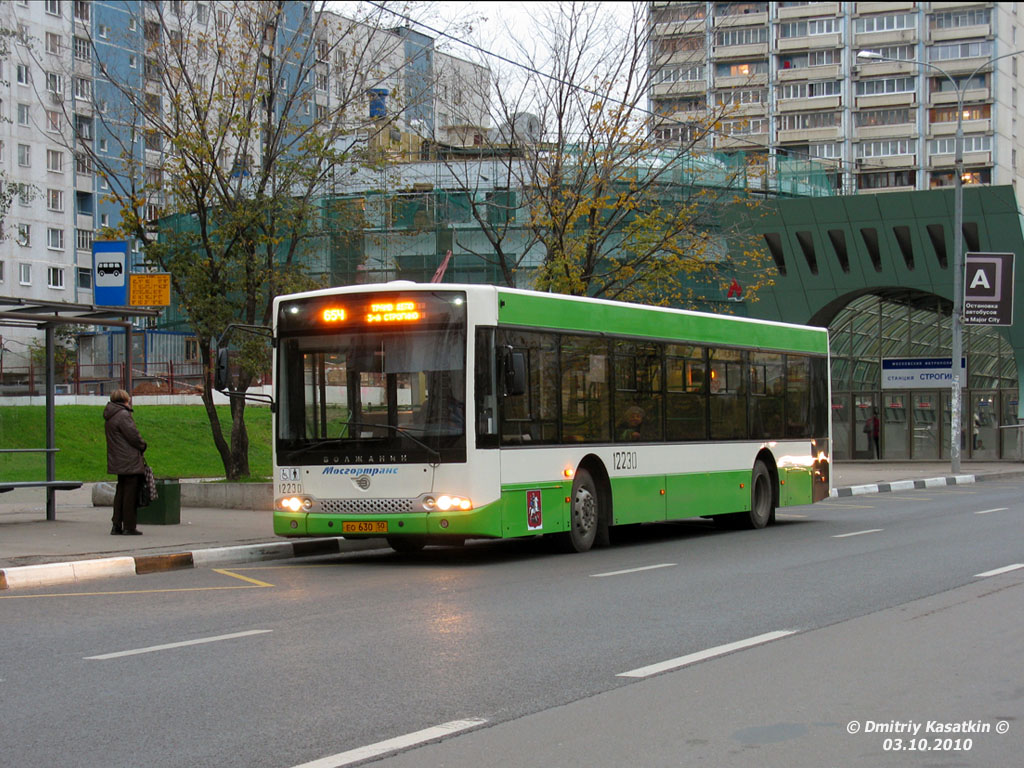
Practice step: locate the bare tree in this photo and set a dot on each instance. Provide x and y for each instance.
(219, 142)
(616, 205)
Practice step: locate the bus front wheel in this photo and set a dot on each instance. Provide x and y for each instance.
(406, 544)
(584, 514)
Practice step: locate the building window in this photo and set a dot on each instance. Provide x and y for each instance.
(810, 27)
(888, 179)
(83, 51)
(872, 117)
(55, 199)
(885, 23)
(24, 114)
(975, 49)
(805, 120)
(883, 85)
(85, 278)
(24, 274)
(53, 7)
(887, 148)
(742, 36)
(811, 90)
(740, 68)
(955, 19)
(22, 74)
(202, 13)
(53, 43)
(55, 239)
(81, 10)
(55, 160)
(53, 121)
(960, 82)
(24, 234)
(947, 146)
(191, 350)
(55, 277)
(665, 75)
(971, 112)
(24, 155)
(809, 59)
(83, 239)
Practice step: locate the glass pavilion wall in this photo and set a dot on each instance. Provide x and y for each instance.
(914, 423)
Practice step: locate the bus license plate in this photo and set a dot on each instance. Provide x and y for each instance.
(365, 526)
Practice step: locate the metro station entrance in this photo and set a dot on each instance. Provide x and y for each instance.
(914, 424)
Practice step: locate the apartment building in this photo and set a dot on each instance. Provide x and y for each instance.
(790, 79)
(62, 103)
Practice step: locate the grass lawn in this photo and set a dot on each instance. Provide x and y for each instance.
(179, 437)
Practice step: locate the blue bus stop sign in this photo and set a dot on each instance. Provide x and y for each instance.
(110, 272)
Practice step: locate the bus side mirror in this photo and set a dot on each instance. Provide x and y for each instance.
(221, 377)
(514, 372)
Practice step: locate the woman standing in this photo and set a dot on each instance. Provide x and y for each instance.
(125, 447)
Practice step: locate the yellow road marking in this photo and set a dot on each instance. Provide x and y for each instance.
(257, 582)
(253, 584)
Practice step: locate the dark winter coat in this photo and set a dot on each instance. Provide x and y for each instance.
(124, 443)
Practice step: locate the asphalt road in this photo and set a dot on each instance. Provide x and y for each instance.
(541, 658)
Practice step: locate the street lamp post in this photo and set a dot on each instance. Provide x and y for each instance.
(956, 392)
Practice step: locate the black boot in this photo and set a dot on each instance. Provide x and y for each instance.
(116, 530)
(132, 532)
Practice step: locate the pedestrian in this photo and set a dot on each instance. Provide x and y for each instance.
(125, 447)
(871, 429)
(631, 426)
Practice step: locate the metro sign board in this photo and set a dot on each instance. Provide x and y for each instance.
(988, 289)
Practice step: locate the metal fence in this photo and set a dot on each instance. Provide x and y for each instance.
(150, 378)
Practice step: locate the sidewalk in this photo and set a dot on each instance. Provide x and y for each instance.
(81, 531)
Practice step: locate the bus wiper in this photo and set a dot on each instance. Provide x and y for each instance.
(397, 431)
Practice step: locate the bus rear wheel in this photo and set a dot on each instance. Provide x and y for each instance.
(584, 514)
(762, 500)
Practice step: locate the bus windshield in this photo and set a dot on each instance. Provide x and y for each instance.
(374, 393)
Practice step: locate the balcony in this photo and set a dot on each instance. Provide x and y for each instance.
(972, 32)
(874, 40)
(971, 159)
(811, 9)
(901, 131)
(817, 103)
(826, 72)
(831, 133)
(906, 99)
(936, 130)
(753, 51)
(809, 42)
(870, 9)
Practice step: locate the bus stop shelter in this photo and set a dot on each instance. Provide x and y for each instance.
(46, 316)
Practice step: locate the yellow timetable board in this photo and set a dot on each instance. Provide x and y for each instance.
(149, 290)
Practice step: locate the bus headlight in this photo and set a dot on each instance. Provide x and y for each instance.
(445, 502)
(294, 503)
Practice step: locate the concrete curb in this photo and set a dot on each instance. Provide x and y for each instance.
(931, 482)
(49, 574)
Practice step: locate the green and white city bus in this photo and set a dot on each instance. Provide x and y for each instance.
(433, 413)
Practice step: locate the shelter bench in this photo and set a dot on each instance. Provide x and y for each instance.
(57, 485)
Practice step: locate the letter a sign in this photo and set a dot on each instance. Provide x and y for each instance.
(988, 289)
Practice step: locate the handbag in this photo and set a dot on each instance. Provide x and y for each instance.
(147, 488)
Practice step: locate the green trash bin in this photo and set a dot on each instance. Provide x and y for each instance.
(166, 508)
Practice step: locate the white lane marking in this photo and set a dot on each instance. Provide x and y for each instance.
(167, 646)
(632, 570)
(392, 745)
(986, 511)
(857, 533)
(709, 653)
(998, 571)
